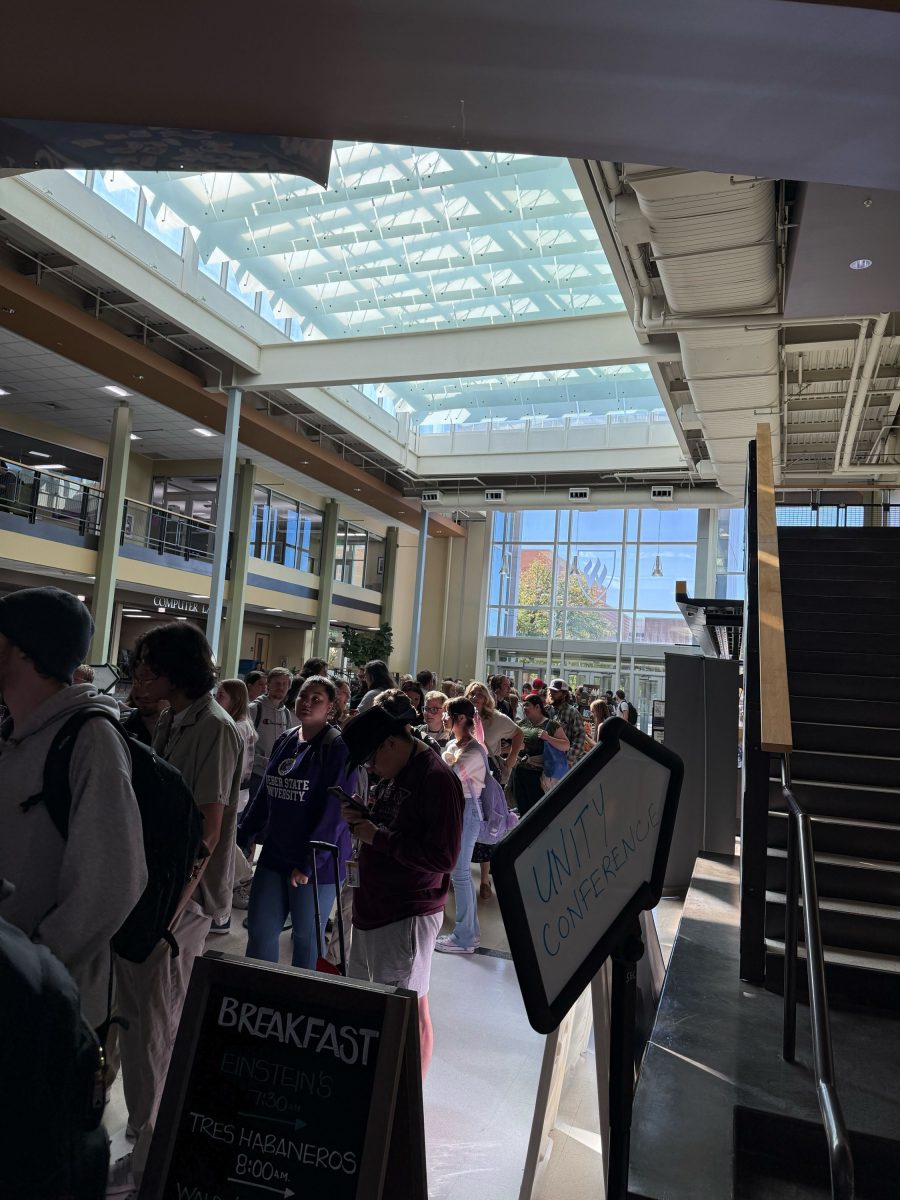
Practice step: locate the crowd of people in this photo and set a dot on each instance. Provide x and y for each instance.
(390, 771)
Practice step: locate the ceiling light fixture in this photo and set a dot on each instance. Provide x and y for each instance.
(5, 391)
(38, 454)
(135, 437)
(203, 432)
(860, 264)
(273, 610)
(115, 390)
(197, 595)
(52, 467)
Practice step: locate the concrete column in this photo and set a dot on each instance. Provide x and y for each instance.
(110, 533)
(240, 553)
(389, 578)
(326, 579)
(223, 521)
(422, 550)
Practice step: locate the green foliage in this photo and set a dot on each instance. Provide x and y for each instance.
(362, 645)
(587, 618)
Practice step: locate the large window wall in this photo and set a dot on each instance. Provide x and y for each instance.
(590, 595)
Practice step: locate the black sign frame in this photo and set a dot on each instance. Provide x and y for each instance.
(543, 1015)
(394, 1082)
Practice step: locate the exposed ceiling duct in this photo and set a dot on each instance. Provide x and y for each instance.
(712, 239)
(632, 497)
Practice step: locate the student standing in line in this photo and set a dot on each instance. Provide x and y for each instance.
(145, 712)
(538, 728)
(378, 679)
(232, 696)
(408, 845)
(434, 724)
(415, 693)
(502, 740)
(565, 712)
(292, 808)
(340, 709)
(71, 894)
(256, 684)
(271, 718)
(174, 663)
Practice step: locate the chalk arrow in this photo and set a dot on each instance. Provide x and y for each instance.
(263, 1187)
(295, 1123)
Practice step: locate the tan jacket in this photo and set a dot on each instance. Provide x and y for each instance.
(207, 749)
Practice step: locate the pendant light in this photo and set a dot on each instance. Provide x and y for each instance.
(657, 565)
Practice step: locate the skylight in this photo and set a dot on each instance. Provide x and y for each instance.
(403, 239)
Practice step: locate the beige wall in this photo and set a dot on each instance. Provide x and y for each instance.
(287, 646)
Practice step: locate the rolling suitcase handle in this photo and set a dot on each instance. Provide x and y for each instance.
(322, 963)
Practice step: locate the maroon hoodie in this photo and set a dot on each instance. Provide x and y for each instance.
(406, 871)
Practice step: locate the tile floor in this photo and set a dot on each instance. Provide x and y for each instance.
(480, 1091)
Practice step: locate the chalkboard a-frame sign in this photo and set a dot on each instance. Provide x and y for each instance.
(576, 871)
(289, 1083)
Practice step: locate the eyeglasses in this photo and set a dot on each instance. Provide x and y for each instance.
(434, 708)
(142, 678)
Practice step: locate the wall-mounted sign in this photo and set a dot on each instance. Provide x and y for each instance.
(576, 871)
(288, 1083)
(184, 606)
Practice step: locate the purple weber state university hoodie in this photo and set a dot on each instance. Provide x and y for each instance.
(294, 807)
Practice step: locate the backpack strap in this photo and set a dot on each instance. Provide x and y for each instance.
(56, 789)
(257, 715)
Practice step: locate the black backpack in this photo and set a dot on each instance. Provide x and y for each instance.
(52, 1144)
(632, 713)
(172, 828)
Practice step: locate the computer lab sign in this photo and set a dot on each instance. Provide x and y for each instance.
(575, 873)
(182, 606)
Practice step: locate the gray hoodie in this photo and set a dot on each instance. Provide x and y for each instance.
(72, 895)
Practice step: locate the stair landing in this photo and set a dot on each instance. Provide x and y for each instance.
(716, 1045)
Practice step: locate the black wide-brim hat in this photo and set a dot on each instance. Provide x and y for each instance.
(363, 734)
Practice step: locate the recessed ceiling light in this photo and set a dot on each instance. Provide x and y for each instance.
(81, 598)
(135, 437)
(52, 467)
(203, 432)
(273, 610)
(357, 489)
(196, 595)
(181, 618)
(38, 454)
(6, 391)
(137, 616)
(860, 264)
(304, 462)
(115, 390)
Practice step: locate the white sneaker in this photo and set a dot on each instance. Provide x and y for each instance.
(447, 944)
(120, 1180)
(241, 896)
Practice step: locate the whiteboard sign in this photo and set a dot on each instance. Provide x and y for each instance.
(575, 872)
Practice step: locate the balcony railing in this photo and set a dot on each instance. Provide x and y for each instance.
(166, 532)
(37, 496)
(838, 516)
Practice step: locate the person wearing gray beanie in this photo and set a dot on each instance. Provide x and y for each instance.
(51, 627)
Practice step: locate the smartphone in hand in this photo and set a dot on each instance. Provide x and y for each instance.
(351, 801)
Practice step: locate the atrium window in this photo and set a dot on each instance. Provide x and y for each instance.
(118, 189)
(164, 226)
(285, 531)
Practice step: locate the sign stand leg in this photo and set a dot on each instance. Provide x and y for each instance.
(600, 1000)
(621, 1071)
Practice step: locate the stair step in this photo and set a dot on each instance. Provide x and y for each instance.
(840, 877)
(840, 663)
(853, 769)
(843, 534)
(843, 835)
(851, 641)
(824, 586)
(849, 685)
(860, 959)
(845, 568)
(837, 621)
(854, 603)
(845, 924)
(827, 799)
(845, 739)
(814, 554)
(872, 714)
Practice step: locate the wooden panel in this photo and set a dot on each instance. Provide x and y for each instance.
(775, 705)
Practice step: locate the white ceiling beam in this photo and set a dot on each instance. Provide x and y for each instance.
(543, 461)
(453, 353)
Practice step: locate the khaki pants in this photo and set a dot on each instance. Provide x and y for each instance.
(150, 996)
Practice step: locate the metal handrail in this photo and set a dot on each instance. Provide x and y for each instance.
(800, 850)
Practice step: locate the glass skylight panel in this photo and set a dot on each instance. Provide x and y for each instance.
(403, 239)
(580, 396)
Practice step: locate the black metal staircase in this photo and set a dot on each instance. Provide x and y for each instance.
(841, 601)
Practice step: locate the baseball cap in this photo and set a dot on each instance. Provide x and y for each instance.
(558, 685)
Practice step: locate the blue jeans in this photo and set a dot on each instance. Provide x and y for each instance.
(271, 899)
(466, 930)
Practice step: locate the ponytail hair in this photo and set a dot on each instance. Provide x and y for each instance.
(458, 707)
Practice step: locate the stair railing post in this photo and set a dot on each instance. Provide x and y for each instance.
(791, 926)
